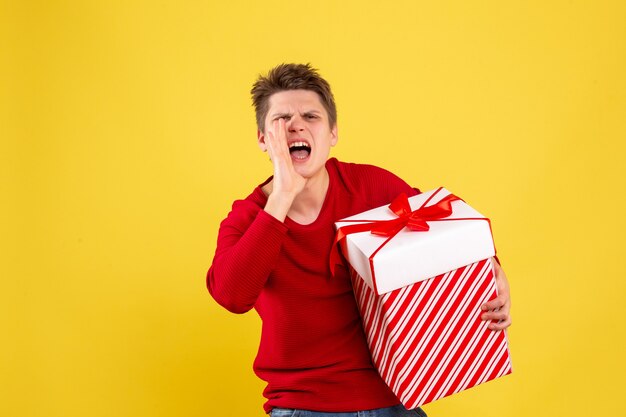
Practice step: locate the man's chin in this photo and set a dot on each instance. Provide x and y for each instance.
(309, 172)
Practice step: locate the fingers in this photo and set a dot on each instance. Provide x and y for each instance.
(500, 325)
(286, 180)
(495, 315)
(271, 141)
(277, 138)
(500, 318)
(496, 303)
(498, 310)
(502, 285)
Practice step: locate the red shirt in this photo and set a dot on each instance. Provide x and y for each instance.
(313, 352)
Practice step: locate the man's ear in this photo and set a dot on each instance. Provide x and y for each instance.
(261, 140)
(334, 135)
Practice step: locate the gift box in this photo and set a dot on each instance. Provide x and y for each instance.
(419, 303)
(414, 239)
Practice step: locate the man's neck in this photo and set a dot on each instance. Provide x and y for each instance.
(307, 205)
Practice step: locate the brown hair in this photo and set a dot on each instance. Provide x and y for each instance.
(291, 77)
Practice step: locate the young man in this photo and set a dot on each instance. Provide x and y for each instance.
(273, 255)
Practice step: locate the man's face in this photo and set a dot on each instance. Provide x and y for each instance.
(308, 134)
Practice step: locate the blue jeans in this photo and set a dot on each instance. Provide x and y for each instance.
(395, 411)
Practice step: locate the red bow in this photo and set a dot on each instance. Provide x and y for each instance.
(415, 220)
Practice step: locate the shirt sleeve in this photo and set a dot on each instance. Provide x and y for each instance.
(247, 251)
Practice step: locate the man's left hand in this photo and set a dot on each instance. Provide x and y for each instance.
(498, 310)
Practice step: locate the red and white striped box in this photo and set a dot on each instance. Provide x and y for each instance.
(427, 339)
(419, 294)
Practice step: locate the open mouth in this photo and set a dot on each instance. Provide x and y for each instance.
(299, 150)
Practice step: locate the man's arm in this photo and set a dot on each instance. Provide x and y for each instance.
(244, 259)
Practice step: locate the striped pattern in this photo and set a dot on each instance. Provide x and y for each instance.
(427, 340)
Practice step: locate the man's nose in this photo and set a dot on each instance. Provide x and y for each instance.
(295, 124)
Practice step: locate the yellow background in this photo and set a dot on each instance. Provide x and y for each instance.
(127, 131)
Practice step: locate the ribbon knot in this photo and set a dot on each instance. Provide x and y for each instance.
(415, 220)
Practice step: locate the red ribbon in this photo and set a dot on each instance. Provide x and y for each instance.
(415, 220)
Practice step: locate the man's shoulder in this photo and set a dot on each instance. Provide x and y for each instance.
(352, 167)
(358, 171)
(244, 210)
(378, 185)
(360, 174)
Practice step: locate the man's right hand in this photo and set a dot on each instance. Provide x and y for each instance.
(287, 183)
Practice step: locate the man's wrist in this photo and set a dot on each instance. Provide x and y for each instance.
(278, 204)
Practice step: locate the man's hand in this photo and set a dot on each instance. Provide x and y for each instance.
(498, 310)
(287, 183)
(286, 179)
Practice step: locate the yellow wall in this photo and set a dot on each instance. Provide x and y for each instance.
(127, 131)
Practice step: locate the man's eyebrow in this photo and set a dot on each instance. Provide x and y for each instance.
(283, 114)
(280, 114)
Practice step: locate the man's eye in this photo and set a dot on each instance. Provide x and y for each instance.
(311, 116)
